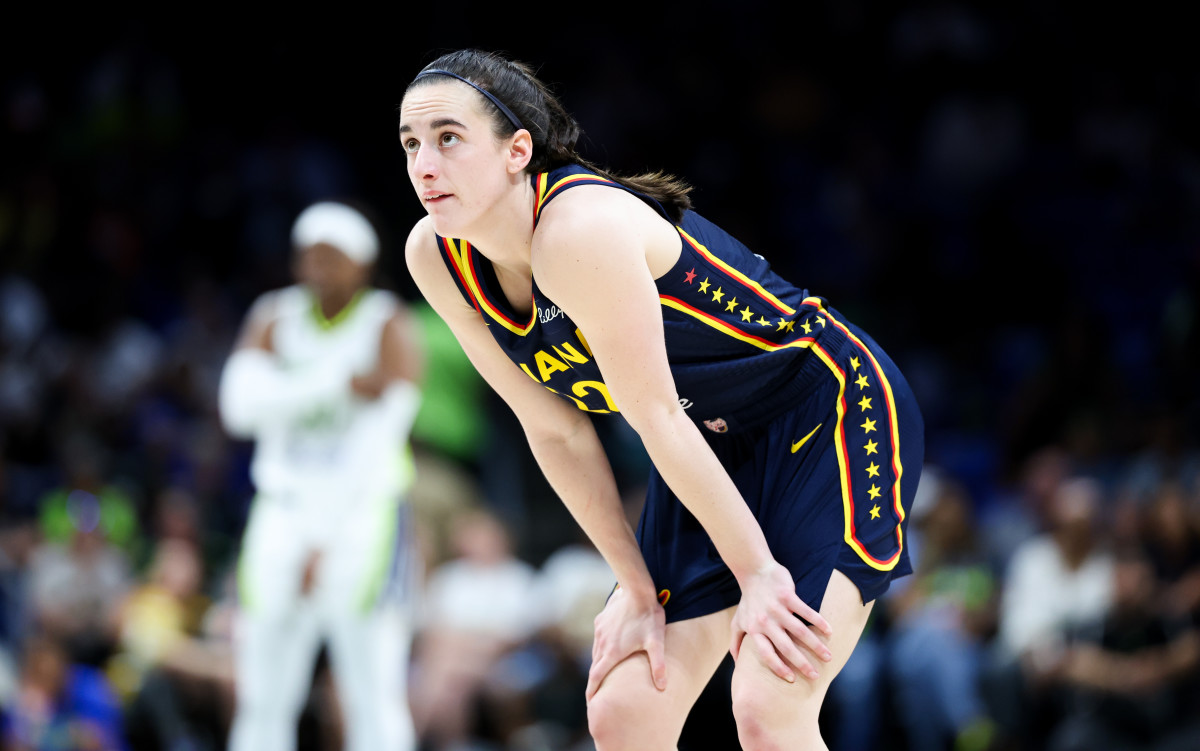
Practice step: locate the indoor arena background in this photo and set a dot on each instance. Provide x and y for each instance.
(1007, 195)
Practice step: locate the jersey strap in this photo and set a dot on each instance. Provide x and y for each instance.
(463, 262)
(550, 185)
(454, 255)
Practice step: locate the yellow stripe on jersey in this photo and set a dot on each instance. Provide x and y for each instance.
(842, 453)
(891, 405)
(757, 288)
(460, 251)
(544, 193)
(893, 430)
(849, 532)
(726, 328)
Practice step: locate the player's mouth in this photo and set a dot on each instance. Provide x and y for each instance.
(434, 197)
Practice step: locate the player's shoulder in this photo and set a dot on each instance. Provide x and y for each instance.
(421, 244)
(591, 210)
(593, 221)
(274, 303)
(384, 295)
(292, 298)
(385, 302)
(427, 266)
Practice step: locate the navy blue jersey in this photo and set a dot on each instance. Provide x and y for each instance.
(749, 351)
(735, 331)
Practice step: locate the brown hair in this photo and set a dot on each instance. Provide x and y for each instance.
(554, 132)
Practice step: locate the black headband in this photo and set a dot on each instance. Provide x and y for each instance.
(491, 97)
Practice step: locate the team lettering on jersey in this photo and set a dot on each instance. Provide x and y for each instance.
(562, 358)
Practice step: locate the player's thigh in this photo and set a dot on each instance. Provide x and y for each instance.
(270, 560)
(274, 656)
(693, 650)
(761, 697)
(370, 652)
(371, 560)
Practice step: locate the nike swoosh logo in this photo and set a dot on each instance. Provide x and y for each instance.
(796, 446)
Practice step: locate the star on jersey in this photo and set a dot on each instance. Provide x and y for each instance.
(868, 426)
(807, 327)
(689, 276)
(746, 314)
(729, 306)
(763, 321)
(704, 285)
(718, 295)
(782, 324)
(821, 321)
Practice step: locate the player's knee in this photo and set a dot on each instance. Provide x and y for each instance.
(612, 714)
(761, 728)
(751, 711)
(770, 713)
(606, 713)
(753, 734)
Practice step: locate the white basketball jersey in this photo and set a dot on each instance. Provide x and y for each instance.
(342, 448)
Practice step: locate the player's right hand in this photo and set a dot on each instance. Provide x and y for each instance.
(625, 627)
(767, 615)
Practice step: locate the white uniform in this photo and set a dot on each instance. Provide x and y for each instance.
(330, 476)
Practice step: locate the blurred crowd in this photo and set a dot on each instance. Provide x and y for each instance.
(1008, 198)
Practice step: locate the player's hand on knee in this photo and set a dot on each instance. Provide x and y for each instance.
(625, 626)
(777, 622)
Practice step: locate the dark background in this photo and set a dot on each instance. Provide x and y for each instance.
(1005, 195)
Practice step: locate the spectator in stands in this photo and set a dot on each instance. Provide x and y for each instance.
(1056, 582)
(1130, 676)
(60, 704)
(479, 607)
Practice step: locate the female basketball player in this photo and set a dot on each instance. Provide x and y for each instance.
(786, 446)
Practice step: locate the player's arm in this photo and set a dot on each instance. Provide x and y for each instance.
(561, 437)
(395, 381)
(401, 356)
(255, 391)
(590, 257)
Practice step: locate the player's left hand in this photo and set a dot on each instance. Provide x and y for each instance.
(626, 627)
(767, 614)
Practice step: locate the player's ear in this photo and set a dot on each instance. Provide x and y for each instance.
(520, 151)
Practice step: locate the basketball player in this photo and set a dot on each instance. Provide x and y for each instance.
(786, 445)
(324, 379)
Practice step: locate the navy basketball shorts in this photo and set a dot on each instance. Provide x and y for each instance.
(831, 480)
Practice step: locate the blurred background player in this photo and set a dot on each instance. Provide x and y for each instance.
(324, 378)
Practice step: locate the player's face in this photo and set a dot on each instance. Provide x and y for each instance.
(455, 162)
(328, 271)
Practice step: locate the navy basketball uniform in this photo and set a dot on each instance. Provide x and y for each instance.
(812, 420)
